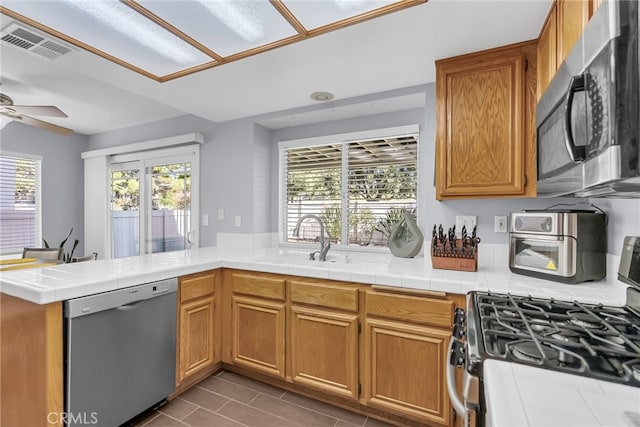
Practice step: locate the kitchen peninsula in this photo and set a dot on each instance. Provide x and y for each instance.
(388, 298)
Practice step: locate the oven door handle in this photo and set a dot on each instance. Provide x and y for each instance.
(458, 404)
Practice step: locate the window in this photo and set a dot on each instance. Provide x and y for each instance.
(358, 187)
(20, 222)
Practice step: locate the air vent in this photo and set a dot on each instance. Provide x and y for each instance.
(31, 41)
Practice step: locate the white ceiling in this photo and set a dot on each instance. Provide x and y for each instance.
(391, 52)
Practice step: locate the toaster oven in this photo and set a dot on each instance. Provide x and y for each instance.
(563, 246)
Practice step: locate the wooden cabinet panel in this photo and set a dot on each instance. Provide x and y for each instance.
(324, 294)
(197, 285)
(198, 340)
(258, 328)
(324, 350)
(428, 311)
(397, 355)
(196, 336)
(484, 109)
(547, 52)
(573, 16)
(259, 285)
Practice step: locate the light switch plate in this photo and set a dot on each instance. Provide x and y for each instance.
(220, 214)
(205, 220)
(238, 221)
(465, 220)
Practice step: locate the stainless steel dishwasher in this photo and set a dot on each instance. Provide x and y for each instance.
(120, 353)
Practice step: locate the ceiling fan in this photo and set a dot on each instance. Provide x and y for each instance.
(22, 114)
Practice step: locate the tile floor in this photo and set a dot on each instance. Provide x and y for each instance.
(230, 400)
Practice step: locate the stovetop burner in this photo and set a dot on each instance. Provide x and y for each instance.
(529, 351)
(586, 339)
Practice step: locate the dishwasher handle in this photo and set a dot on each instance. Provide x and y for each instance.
(124, 299)
(131, 306)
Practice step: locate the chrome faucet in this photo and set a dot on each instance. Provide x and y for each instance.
(324, 245)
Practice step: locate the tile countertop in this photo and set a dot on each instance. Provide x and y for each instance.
(526, 396)
(504, 381)
(66, 281)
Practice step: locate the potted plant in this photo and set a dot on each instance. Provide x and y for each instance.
(66, 256)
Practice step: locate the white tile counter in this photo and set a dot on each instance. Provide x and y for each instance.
(506, 383)
(525, 396)
(66, 281)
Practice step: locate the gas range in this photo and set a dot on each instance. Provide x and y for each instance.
(595, 341)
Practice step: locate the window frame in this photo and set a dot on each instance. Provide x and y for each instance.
(186, 153)
(344, 139)
(38, 199)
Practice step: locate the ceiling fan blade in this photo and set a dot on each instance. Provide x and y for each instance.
(43, 125)
(37, 110)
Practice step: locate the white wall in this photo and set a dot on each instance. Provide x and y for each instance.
(431, 211)
(62, 178)
(239, 171)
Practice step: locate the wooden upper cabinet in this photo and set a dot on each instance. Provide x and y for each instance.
(547, 51)
(562, 29)
(573, 16)
(485, 105)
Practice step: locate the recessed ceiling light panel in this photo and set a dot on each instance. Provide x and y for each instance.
(226, 26)
(116, 29)
(318, 13)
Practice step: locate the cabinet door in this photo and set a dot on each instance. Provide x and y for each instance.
(405, 370)
(547, 52)
(197, 337)
(484, 109)
(573, 16)
(258, 334)
(324, 350)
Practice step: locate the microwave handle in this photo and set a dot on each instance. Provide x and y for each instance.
(576, 84)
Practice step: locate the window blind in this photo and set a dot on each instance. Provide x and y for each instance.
(19, 218)
(358, 188)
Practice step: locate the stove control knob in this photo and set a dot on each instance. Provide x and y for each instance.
(457, 356)
(458, 331)
(459, 317)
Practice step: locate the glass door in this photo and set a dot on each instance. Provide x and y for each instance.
(151, 207)
(125, 209)
(169, 189)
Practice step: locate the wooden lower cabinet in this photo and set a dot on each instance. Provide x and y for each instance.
(404, 370)
(323, 350)
(198, 336)
(258, 334)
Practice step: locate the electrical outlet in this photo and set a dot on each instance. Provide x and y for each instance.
(500, 225)
(220, 214)
(205, 220)
(468, 221)
(238, 221)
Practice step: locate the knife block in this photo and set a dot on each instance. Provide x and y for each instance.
(453, 260)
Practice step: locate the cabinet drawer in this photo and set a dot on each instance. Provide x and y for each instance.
(196, 285)
(428, 311)
(324, 295)
(265, 286)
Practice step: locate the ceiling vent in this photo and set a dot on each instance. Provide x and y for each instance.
(34, 42)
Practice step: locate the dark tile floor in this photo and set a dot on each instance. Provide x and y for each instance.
(230, 400)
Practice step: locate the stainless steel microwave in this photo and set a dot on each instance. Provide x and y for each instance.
(588, 142)
(563, 246)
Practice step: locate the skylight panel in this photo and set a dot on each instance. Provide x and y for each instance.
(318, 13)
(226, 26)
(117, 30)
